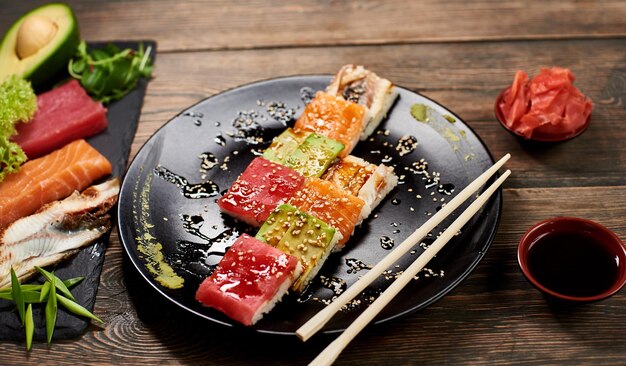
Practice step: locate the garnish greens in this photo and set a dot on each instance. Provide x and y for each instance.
(30, 294)
(18, 103)
(110, 73)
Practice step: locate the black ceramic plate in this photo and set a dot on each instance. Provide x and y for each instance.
(114, 143)
(194, 234)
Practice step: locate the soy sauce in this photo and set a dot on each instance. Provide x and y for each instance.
(572, 264)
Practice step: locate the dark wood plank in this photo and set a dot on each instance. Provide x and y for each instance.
(265, 23)
(465, 77)
(494, 316)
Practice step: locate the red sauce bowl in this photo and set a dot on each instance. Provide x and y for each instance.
(540, 263)
(537, 135)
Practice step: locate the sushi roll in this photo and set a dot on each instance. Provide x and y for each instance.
(359, 85)
(249, 280)
(301, 235)
(333, 117)
(314, 155)
(333, 205)
(369, 182)
(284, 145)
(260, 189)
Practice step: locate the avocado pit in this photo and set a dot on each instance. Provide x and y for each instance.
(35, 32)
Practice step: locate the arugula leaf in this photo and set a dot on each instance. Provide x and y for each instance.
(110, 73)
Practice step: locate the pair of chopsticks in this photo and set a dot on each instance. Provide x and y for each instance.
(330, 353)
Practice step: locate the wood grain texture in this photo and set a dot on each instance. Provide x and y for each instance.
(208, 25)
(494, 316)
(457, 52)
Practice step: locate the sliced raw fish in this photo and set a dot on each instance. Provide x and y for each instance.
(64, 114)
(332, 205)
(335, 118)
(56, 231)
(49, 178)
(259, 189)
(251, 277)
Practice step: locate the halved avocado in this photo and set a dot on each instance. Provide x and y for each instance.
(54, 25)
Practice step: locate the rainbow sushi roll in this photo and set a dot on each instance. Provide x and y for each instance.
(307, 195)
(335, 118)
(367, 181)
(301, 235)
(359, 85)
(249, 280)
(333, 205)
(260, 189)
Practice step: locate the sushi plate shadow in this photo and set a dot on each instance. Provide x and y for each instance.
(213, 141)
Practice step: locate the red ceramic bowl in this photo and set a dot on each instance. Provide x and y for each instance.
(537, 135)
(593, 234)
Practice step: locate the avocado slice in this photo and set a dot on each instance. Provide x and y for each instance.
(283, 145)
(314, 155)
(277, 224)
(297, 233)
(46, 43)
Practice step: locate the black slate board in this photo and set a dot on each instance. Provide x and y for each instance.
(114, 143)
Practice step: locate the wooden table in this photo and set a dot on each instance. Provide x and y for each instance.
(459, 53)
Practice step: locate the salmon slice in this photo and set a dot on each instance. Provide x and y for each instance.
(335, 118)
(50, 178)
(332, 205)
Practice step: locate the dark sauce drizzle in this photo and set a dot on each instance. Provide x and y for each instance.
(193, 191)
(355, 265)
(208, 161)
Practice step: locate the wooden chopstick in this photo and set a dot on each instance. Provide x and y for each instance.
(317, 322)
(330, 353)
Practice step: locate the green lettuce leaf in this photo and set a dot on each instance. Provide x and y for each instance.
(18, 103)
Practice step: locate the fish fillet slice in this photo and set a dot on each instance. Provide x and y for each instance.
(334, 206)
(335, 118)
(50, 178)
(357, 84)
(56, 231)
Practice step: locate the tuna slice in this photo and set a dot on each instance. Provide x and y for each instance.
(49, 178)
(332, 205)
(56, 231)
(64, 114)
(249, 280)
(335, 118)
(258, 190)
